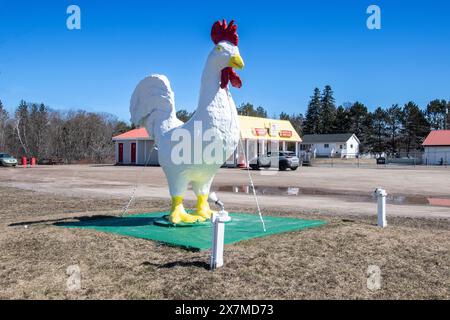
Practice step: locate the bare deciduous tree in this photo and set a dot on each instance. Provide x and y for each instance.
(37, 131)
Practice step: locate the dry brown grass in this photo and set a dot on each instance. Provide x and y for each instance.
(327, 262)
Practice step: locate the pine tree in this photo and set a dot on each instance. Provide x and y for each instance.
(327, 112)
(436, 114)
(247, 109)
(284, 116)
(312, 120)
(261, 112)
(366, 133)
(415, 126)
(360, 122)
(394, 126)
(357, 114)
(379, 134)
(341, 121)
(447, 116)
(184, 115)
(296, 120)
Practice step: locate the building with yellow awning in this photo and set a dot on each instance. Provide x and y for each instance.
(262, 135)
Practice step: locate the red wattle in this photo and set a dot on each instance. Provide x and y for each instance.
(229, 75)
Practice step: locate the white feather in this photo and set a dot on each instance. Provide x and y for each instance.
(153, 105)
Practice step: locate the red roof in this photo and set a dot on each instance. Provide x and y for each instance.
(139, 133)
(438, 138)
(439, 202)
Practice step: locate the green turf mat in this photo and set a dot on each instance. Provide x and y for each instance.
(242, 227)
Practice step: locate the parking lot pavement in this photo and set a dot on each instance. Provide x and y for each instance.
(309, 189)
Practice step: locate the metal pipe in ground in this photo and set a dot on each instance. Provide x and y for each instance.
(218, 221)
(381, 199)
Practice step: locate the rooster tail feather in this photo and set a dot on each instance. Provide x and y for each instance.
(152, 106)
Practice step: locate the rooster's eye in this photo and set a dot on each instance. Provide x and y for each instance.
(219, 48)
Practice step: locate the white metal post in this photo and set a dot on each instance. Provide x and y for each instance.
(218, 232)
(381, 196)
(218, 227)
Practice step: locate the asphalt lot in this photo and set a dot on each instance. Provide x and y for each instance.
(320, 190)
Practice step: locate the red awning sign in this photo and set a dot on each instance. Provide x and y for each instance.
(260, 131)
(285, 133)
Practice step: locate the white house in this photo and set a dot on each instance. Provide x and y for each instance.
(341, 145)
(437, 148)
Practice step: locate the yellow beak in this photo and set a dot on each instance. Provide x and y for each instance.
(236, 62)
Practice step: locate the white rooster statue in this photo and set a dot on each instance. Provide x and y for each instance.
(152, 105)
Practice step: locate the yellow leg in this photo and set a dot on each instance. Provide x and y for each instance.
(178, 214)
(203, 209)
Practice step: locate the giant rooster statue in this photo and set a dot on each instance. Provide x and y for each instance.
(152, 105)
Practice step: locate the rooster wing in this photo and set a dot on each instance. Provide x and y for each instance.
(153, 106)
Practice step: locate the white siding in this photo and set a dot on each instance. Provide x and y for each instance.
(140, 158)
(324, 149)
(126, 151)
(334, 149)
(352, 148)
(436, 155)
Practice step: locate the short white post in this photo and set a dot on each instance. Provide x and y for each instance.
(217, 242)
(381, 196)
(218, 233)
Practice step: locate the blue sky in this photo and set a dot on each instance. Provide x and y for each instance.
(289, 48)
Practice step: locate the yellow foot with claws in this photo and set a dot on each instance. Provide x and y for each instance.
(178, 214)
(203, 210)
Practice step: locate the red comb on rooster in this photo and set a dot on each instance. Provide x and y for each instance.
(220, 31)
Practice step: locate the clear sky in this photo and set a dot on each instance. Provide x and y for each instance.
(289, 48)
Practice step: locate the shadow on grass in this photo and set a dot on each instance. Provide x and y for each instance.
(170, 265)
(109, 222)
(61, 221)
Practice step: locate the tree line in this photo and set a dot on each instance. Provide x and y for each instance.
(390, 130)
(35, 130)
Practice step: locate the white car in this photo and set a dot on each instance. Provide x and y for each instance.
(7, 161)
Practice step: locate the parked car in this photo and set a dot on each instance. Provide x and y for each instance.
(284, 159)
(7, 160)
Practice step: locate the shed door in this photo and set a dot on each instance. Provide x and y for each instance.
(120, 152)
(133, 152)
